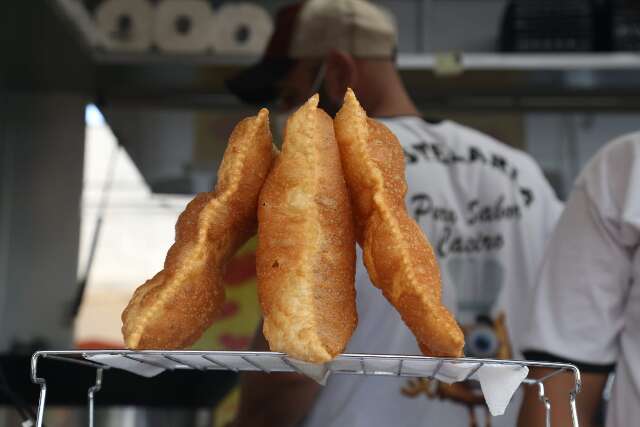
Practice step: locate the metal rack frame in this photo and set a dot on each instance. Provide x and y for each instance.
(250, 361)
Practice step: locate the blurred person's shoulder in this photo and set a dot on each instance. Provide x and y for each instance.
(608, 176)
(616, 155)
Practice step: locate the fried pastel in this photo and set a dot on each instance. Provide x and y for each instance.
(306, 244)
(397, 255)
(172, 310)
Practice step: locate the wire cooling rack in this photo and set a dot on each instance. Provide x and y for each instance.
(151, 362)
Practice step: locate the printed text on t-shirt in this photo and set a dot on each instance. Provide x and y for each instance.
(476, 213)
(432, 151)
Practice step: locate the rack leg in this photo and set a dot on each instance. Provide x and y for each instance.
(547, 404)
(41, 402)
(91, 394)
(43, 389)
(574, 411)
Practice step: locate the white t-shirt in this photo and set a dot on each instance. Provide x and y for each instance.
(487, 210)
(587, 301)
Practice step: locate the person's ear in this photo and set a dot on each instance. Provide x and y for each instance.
(341, 72)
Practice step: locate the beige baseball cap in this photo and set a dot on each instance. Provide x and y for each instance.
(311, 29)
(357, 27)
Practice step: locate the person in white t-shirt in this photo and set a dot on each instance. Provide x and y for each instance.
(485, 207)
(587, 301)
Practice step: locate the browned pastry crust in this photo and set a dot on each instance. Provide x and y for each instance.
(172, 310)
(397, 255)
(306, 244)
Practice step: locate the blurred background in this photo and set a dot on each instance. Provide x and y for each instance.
(114, 113)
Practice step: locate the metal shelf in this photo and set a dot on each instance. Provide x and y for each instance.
(151, 362)
(77, 15)
(526, 62)
(408, 61)
(103, 57)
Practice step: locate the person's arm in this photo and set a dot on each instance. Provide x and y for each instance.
(557, 390)
(278, 399)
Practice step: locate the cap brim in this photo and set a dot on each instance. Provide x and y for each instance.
(259, 84)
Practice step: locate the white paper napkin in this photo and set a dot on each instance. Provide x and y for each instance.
(318, 373)
(499, 383)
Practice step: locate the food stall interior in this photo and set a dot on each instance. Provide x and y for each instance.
(105, 131)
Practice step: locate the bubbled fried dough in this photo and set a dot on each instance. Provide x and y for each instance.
(397, 255)
(306, 244)
(172, 310)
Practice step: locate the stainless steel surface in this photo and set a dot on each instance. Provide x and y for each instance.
(116, 416)
(264, 361)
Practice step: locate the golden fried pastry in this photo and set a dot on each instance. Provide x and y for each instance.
(173, 309)
(397, 255)
(306, 245)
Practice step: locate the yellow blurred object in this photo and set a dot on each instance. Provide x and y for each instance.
(238, 322)
(241, 311)
(227, 409)
(448, 64)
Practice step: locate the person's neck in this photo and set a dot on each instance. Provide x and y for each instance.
(393, 105)
(387, 95)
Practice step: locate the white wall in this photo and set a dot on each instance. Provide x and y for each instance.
(564, 142)
(447, 25)
(159, 141)
(42, 147)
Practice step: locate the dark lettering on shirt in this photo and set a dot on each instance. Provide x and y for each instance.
(422, 206)
(422, 149)
(485, 234)
(476, 155)
(440, 153)
(528, 196)
(497, 211)
(409, 158)
(432, 151)
(499, 162)
(451, 243)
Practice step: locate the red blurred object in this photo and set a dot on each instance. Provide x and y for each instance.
(229, 309)
(240, 269)
(235, 342)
